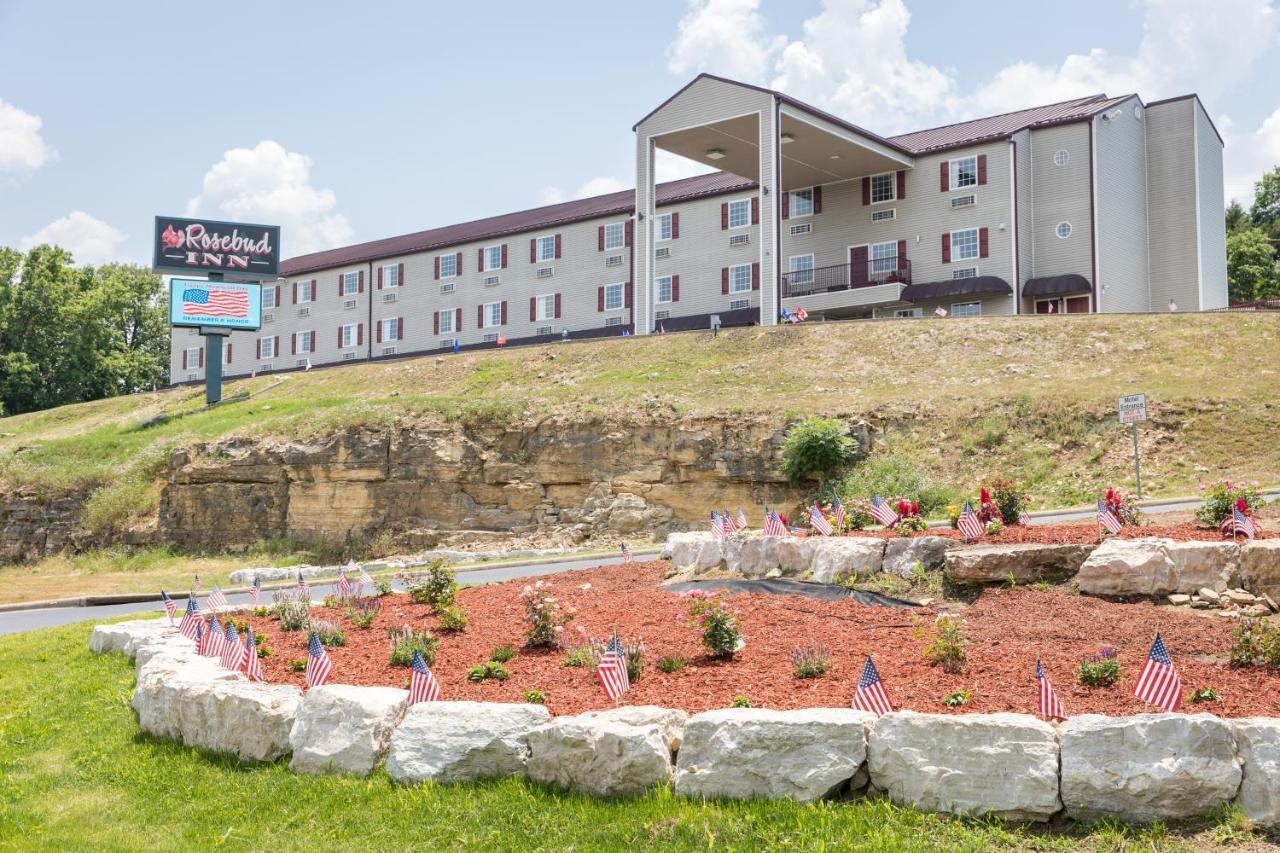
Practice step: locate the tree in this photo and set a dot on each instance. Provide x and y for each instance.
(1266, 199)
(1251, 266)
(816, 447)
(1236, 216)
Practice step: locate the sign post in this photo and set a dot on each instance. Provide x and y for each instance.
(1132, 410)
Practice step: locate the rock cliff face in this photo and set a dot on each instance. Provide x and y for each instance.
(583, 477)
(31, 528)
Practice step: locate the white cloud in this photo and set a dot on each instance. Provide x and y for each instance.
(89, 240)
(270, 185)
(601, 186)
(727, 36)
(22, 149)
(1247, 155)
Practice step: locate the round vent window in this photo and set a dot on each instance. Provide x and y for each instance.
(1137, 112)
(1061, 157)
(1064, 230)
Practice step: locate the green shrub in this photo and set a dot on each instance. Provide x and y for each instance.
(893, 473)
(957, 699)
(1102, 670)
(715, 621)
(1220, 499)
(262, 647)
(535, 697)
(293, 609)
(261, 612)
(810, 661)
(1255, 642)
(477, 673)
(298, 665)
(741, 701)
(816, 447)
(406, 641)
(484, 671)
(330, 601)
(1203, 694)
(948, 645)
(363, 611)
(452, 619)
(672, 663)
(580, 656)
(544, 617)
(436, 587)
(383, 586)
(329, 633)
(503, 653)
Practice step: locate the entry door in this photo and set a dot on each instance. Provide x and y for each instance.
(859, 266)
(1046, 306)
(1078, 305)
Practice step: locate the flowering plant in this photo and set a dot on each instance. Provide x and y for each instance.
(1222, 496)
(1122, 504)
(858, 514)
(909, 520)
(711, 615)
(1002, 499)
(1103, 670)
(544, 617)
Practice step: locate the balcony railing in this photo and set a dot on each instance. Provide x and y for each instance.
(846, 277)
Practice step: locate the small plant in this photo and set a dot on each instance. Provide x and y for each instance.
(1204, 694)
(484, 671)
(544, 617)
(1123, 505)
(1255, 642)
(1223, 496)
(1102, 670)
(363, 611)
(436, 588)
(579, 656)
(1010, 580)
(406, 641)
(261, 612)
(382, 586)
(672, 663)
(535, 697)
(452, 619)
(909, 525)
(263, 648)
(297, 665)
(478, 673)
(329, 633)
(1040, 586)
(994, 526)
(957, 699)
(810, 661)
(1003, 500)
(816, 447)
(330, 601)
(947, 648)
(293, 610)
(710, 614)
(503, 653)
(741, 701)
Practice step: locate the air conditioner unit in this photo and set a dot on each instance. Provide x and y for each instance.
(268, 318)
(265, 368)
(544, 330)
(302, 362)
(491, 338)
(447, 344)
(613, 321)
(884, 215)
(491, 280)
(447, 288)
(802, 228)
(740, 240)
(388, 297)
(739, 303)
(613, 261)
(545, 272)
(304, 312)
(664, 252)
(191, 377)
(662, 315)
(348, 356)
(348, 304)
(388, 350)
(964, 201)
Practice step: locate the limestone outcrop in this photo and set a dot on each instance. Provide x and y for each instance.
(462, 741)
(341, 728)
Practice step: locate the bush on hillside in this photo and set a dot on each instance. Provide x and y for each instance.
(891, 473)
(817, 447)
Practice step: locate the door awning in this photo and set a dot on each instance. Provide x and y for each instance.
(980, 284)
(1057, 285)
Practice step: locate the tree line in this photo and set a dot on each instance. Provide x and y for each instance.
(74, 333)
(1253, 243)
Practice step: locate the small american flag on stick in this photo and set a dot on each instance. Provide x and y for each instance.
(773, 525)
(819, 521)
(1047, 702)
(319, 667)
(423, 686)
(213, 639)
(717, 532)
(199, 638)
(870, 695)
(1238, 524)
(170, 606)
(969, 525)
(217, 598)
(1109, 520)
(195, 586)
(612, 669)
(882, 512)
(256, 590)
(840, 514)
(233, 649)
(252, 663)
(364, 578)
(741, 523)
(302, 586)
(189, 627)
(626, 554)
(1159, 683)
(344, 584)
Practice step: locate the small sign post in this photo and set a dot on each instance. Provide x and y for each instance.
(1132, 410)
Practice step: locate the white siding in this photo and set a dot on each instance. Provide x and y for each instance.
(1121, 148)
(1171, 204)
(1060, 193)
(1213, 232)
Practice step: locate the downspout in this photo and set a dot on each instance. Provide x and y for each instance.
(368, 341)
(1013, 195)
(776, 302)
(1093, 220)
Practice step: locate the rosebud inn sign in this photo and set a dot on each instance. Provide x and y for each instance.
(235, 249)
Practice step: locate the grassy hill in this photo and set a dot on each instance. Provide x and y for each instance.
(1034, 396)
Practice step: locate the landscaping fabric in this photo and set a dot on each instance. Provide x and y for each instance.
(785, 586)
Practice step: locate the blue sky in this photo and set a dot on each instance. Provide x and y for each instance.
(348, 122)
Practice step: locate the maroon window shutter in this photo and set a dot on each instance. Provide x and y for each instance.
(228, 352)
(675, 225)
(339, 337)
(724, 216)
(480, 260)
(982, 169)
(339, 285)
(724, 280)
(458, 265)
(557, 247)
(275, 350)
(379, 278)
(866, 191)
(817, 199)
(675, 288)
(295, 293)
(294, 343)
(533, 308)
(599, 298)
(377, 332)
(600, 239)
(557, 306)
(202, 356)
(361, 285)
(533, 250)
(399, 328)
(359, 334)
(902, 252)
(982, 242)
(786, 205)
(400, 274)
(479, 316)
(277, 296)
(504, 312)
(437, 267)
(946, 248)
(626, 295)
(944, 181)
(755, 276)
(184, 359)
(258, 351)
(902, 184)
(504, 256)
(858, 260)
(457, 321)
(627, 233)
(755, 210)
(315, 292)
(435, 323)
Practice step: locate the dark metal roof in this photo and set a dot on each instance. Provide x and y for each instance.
(1005, 124)
(955, 287)
(1057, 285)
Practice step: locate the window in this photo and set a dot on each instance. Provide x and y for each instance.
(801, 203)
(1063, 230)
(1061, 157)
(615, 235)
(492, 258)
(905, 313)
(801, 269)
(446, 321)
(350, 283)
(662, 228)
(193, 357)
(740, 278)
(306, 290)
(492, 314)
(267, 347)
(448, 266)
(965, 272)
(612, 297)
(349, 336)
(884, 257)
(964, 244)
(546, 305)
(391, 329)
(546, 248)
(963, 172)
(966, 309)
(663, 289)
(306, 341)
(268, 298)
(740, 213)
(883, 187)
(391, 275)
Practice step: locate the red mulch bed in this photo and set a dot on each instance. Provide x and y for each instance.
(1074, 533)
(1008, 629)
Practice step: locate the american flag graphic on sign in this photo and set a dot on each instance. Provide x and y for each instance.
(189, 627)
(319, 667)
(206, 302)
(819, 521)
(423, 686)
(217, 598)
(870, 695)
(1047, 702)
(1159, 683)
(252, 663)
(969, 525)
(612, 669)
(882, 512)
(169, 605)
(1109, 520)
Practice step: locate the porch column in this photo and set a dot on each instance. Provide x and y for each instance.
(770, 214)
(642, 243)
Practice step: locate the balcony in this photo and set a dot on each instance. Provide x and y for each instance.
(846, 277)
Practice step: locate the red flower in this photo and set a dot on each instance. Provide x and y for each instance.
(1242, 505)
(915, 508)
(1111, 495)
(984, 496)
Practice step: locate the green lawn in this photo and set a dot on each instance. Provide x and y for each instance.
(76, 774)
